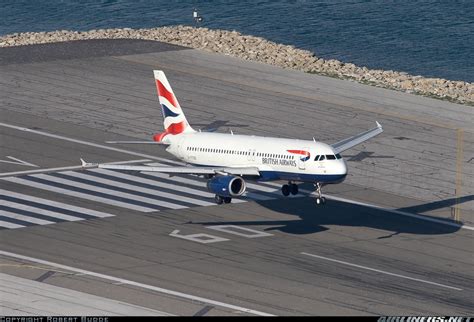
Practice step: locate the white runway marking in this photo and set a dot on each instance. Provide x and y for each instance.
(24, 208)
(155, 183)
(26, 218)
(136, 284)
(78, 194)
(10, 225)
(55, 204)
(40, 211)
(106, 191)
(398, 212)
(140, 189)
(380, 271)
(60, 137)
(18, 162)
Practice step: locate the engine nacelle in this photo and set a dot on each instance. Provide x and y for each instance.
(227, 186)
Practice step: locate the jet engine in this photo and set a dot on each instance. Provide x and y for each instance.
(227, 186)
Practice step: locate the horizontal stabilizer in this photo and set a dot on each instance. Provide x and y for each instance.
(85, 164)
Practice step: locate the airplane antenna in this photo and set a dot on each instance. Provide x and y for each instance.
(314, 139)
(231, 132)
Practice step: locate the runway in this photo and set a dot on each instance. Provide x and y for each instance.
(159, 242)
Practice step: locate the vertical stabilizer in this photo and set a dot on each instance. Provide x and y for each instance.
(173, 117)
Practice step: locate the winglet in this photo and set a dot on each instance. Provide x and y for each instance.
(378, 125)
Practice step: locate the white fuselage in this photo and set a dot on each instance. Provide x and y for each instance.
(275, 158)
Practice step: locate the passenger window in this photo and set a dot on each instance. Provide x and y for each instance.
(330, 157)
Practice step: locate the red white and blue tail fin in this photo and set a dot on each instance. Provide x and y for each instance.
(173, 117)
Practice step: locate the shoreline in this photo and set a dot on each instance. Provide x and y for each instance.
(258, 49)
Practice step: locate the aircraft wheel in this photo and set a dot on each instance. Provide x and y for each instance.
(294, 189)
(227, 199)
(285, 190)
(219, 200)
(320, 201)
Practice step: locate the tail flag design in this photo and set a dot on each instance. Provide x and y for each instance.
(173, 117)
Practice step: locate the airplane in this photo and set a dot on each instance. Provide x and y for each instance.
(225, 159)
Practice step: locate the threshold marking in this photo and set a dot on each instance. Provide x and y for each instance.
(380, 271)
(128, 282)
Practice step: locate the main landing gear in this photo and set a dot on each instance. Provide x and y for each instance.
(220, 200)
(320, 200)
(292, 188)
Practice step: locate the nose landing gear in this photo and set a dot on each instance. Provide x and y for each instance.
(320, 200)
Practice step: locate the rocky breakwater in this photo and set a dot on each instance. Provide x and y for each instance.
(261, 50)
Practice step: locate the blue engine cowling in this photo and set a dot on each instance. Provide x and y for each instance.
(226, 186)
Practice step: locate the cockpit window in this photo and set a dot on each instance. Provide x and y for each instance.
(338, 156)
(322, 158)
(330, 157)
(316, 158)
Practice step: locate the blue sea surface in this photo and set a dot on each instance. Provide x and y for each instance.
(425, 37)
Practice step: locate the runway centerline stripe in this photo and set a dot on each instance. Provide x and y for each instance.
(136, 284)
(91, 189)
(380, 271)
(28, 213)
(150, 192)
(55, 206)
(18, 219)
(94, 197)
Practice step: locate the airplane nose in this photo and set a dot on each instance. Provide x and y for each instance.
(343, 167)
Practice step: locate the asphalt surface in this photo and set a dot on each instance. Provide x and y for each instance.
(340, 259)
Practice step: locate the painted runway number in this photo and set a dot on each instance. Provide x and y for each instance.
(229, 229)
(244, 232)
(199, 238)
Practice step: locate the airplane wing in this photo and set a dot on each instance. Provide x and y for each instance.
(240, 171)
(357, 139)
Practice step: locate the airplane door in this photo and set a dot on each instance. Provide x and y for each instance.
(251, 155)
(302, 158)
